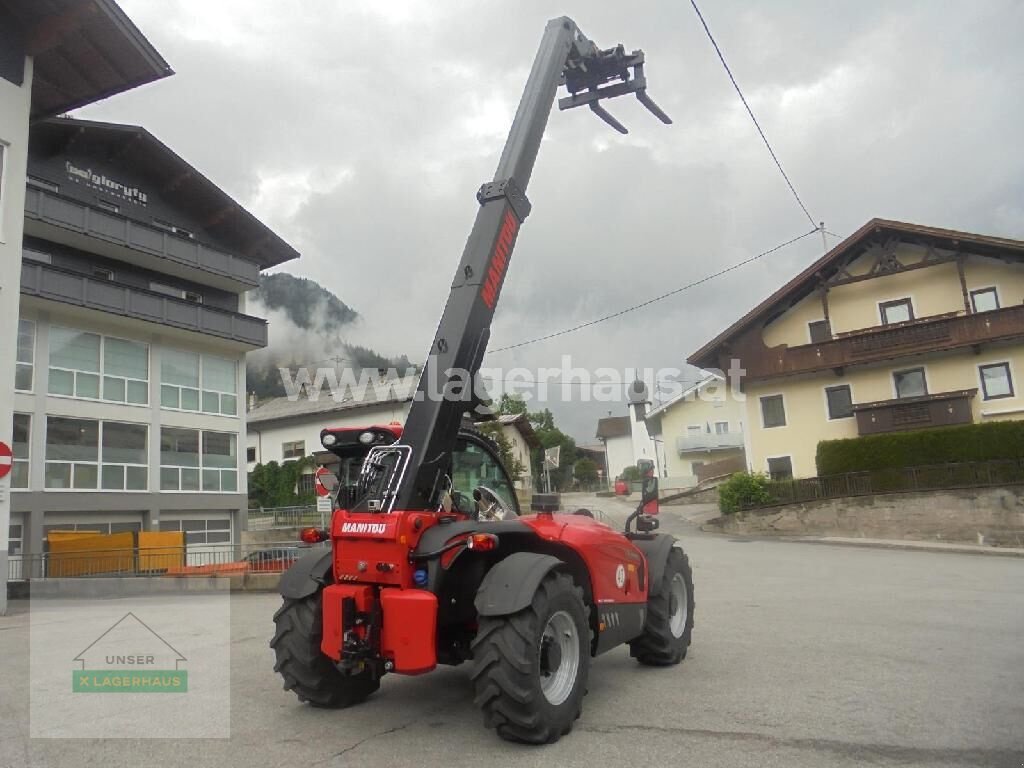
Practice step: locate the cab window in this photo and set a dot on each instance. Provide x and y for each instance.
(473, 466)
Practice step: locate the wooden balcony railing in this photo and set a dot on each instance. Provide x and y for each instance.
(928, 334)
(939, 410)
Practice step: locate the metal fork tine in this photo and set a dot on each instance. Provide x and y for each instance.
(601, 112)
(648, 102)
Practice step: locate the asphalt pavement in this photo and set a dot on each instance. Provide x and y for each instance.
(802, 656)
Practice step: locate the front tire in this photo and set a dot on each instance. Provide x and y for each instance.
(304, 667)
(530, 669)
(669, 623)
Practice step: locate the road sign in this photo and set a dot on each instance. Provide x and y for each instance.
(321, 489)
(551, 456)
(6, 460)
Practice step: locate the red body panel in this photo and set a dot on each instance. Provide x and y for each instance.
(330, 643)
(409, 634)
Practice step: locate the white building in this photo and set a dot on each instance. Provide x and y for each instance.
(132, 335)
(698, 430)
(615, 433)
(48, 67)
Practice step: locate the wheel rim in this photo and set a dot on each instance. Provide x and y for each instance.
(677, 605)
(559, 657)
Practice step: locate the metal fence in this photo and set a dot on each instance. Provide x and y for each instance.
(269, 518)
(167, 562)
(970, 474)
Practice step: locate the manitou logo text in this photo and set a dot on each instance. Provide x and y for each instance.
(364, 528)
(499, 260)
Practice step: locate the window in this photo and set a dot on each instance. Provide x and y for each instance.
(180, 376)
(899, 311)
(84, 454)
(840, 401)
(106, 205)
(473, 466)
(910, 383)
(250, 454)
(293, 450)
(124, 460)
(174, 229)
(31, 254)
(177, 293)
(15, 539)
(996, 381)
(985, 299)
(183, 467)
(20, 445)
(72, 453)
(780, 468)
(210, 531)
(721, 427)
(773, 411)
(79, 361)
(101, 273)
(49, 186)
(820, 330)
(25, 355)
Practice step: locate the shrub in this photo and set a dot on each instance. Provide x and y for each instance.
(744, 490)
(968, 442)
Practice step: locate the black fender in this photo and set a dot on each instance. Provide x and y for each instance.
(656, 549)
(307, 575)
(510, 585)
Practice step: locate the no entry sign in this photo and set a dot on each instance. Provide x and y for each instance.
(6, 459)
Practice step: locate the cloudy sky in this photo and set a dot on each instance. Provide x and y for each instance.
(361, 129)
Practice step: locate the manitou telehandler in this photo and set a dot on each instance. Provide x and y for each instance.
(431, 561)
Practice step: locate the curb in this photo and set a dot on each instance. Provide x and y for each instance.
(907, 546)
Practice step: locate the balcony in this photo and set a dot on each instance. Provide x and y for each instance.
(939, 410)
(709, 442)
(55, 284)
(929, 334)
(64, 220)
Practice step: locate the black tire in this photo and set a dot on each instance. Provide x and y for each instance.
(507, 666)
(305, 669)
(658, 646)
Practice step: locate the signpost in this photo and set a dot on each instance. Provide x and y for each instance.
(551, 461)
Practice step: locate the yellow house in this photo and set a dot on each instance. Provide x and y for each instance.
(698, 434)
(899, 327)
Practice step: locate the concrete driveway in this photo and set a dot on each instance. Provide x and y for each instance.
(803, 656)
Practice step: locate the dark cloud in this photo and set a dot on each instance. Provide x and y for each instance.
(360, 132)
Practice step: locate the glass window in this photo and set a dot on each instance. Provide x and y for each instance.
(219, 385)
(125, 371)
(899, 311)
(184, 468)
(773, 411)
(780, 468)
(996, 381)
(293, 450)
(250, 454)
(74, 363)
(840, 401)
(472, 466)
(25, 355)
(72, 453)
(985, 299)
(820, 331)
(721, 427)
(910, 383)
(20, 445)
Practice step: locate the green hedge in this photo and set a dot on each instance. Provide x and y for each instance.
(970, 442)
(744, 491)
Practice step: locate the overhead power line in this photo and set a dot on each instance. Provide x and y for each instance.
(663, 296)
(750, 112)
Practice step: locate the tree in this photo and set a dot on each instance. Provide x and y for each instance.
(511, 463)
(276, 485)
(512, 404)
(550, 436)
(585, 471)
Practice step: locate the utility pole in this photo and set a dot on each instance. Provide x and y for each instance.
(824, 242)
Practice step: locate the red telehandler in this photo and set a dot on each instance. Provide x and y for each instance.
(431, 560)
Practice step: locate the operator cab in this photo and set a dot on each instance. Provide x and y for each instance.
(481, 488)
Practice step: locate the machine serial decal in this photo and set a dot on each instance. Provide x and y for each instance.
(364, 528)
(499, 260)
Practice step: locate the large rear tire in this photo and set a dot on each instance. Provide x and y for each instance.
(305, 669)
(530, 669)
(669, 623)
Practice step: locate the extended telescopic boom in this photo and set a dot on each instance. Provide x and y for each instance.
(410, 475)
